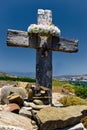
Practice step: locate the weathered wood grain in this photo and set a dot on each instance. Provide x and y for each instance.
(44, 55)
(17, 38)
(64, 45)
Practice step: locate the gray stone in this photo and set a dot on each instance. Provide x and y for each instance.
(36, 107)
(38, 102)
(10, 119)
(26, 104)
(8, 127)
(25, 113)
(33, 122)
(53, 118)
(76, 127)
(7, 90)
(35, 127)
(27, 108)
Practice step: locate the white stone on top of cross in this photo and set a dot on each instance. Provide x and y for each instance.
(44, 16)
(45, 25)
(44, 45)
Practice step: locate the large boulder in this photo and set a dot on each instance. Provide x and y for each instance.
(53, 118)
(9, 89)
(10, 121)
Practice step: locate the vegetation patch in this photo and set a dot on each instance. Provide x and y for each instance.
(62, 86)
(23, 79)
(72, 100)
(57, 85)
(81, 92)
(68, 88)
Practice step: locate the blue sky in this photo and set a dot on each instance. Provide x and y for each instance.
(69, 15)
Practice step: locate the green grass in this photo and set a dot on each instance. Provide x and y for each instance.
(81, 91)
(23, 79)
(58, 83)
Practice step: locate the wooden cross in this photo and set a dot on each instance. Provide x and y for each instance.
(44, 46)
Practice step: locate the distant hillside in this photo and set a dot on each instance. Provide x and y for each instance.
(72, 77)
(9, 77)
(18, 74)
(5, 74)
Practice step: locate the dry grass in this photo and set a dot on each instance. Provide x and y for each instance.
(57, 89)
(72, 100)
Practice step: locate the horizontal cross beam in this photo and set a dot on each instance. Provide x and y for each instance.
(22, 39)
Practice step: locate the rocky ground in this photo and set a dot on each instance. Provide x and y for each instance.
(23, 109)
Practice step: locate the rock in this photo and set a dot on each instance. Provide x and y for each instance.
(33, 122)
(42, 92)
(22, 84)
(8, 127)
(26, 104)
(76, 127)
(53, 118)
(12, 108)
(2, 107)
(27, 108)
(43, 88)
(38, 102)
(9, 89)
(43, 99)
(30, 94)
(9, 119)
(35, 127)
(36, 107)
(16, 98)
(25, 113)
(21, 91)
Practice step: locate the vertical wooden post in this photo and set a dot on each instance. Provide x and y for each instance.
(44, 56)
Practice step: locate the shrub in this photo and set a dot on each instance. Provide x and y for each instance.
(72, 100)
(81, 92)
(68, 88)
(24, 79)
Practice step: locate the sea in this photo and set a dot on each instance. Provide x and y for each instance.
(79, 82)
(23, 74)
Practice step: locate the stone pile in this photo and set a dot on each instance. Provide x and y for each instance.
(34, 113)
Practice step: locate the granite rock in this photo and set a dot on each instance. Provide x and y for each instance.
(53, 118)
(15, 120)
